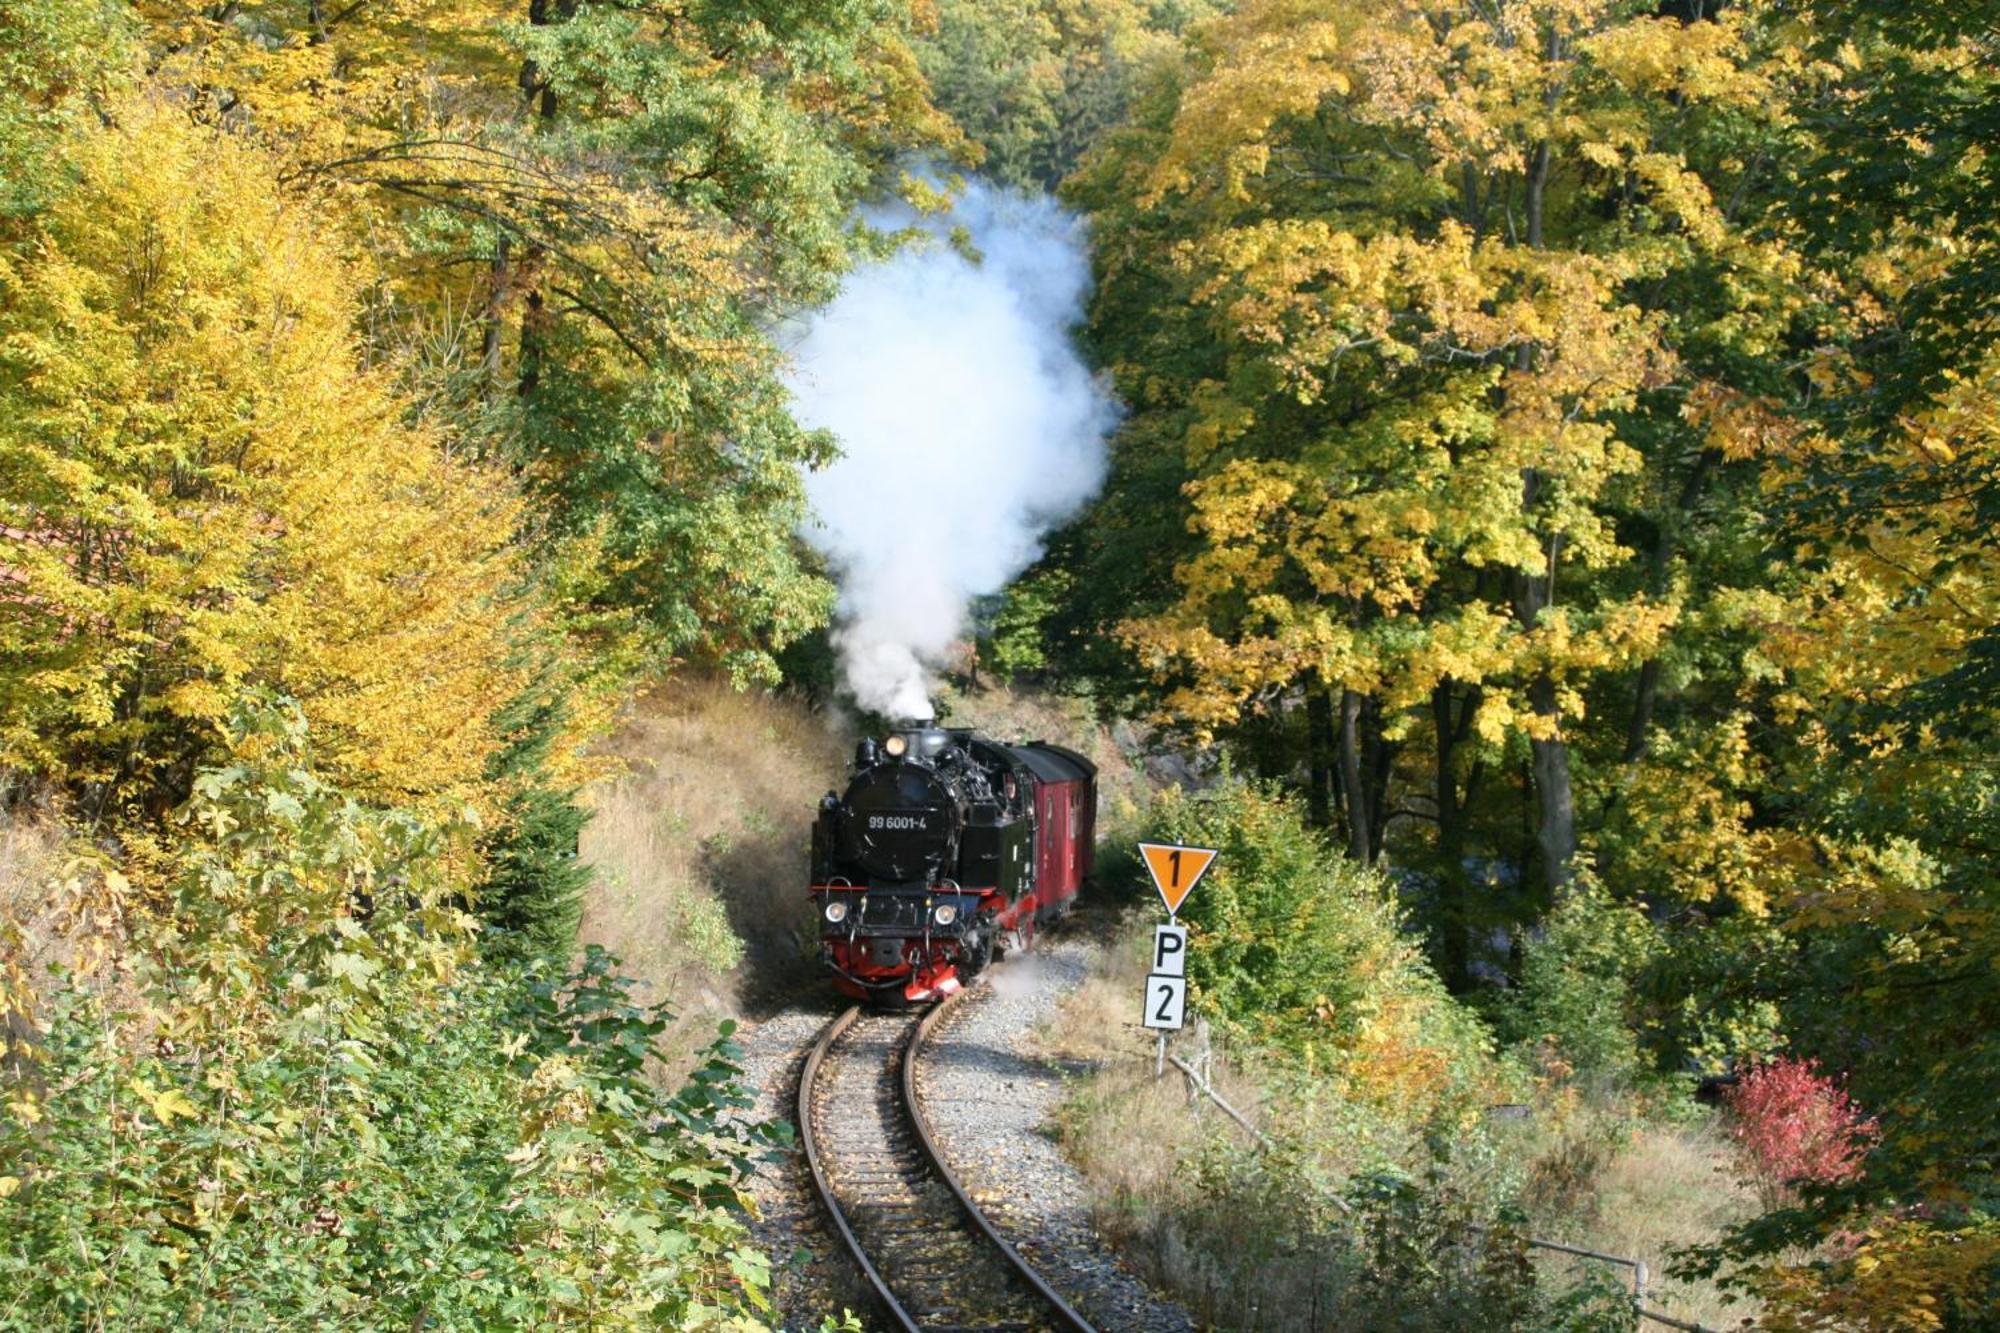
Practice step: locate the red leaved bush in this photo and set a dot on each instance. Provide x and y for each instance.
(1797, 1126)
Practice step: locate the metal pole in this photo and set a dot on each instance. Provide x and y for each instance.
(1160, 1052)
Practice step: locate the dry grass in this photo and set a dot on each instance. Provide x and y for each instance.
(1656, 1188)
(37, 929)
(36, 922)
(1135, 1136)
(1098, 1024)
(30, 851)
(1605, 1179)
(700, 848)
(1137, 1140)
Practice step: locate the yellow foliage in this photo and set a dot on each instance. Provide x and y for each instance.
(1905, 1275)
(202, 489)
(1272, 59)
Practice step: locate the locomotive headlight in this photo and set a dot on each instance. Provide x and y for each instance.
(836, 910)
(895, 746)
(945, 914)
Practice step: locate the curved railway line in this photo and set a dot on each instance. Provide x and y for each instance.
(935, 1261)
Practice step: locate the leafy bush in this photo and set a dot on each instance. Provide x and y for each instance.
(388, 1155)
(1575, 988)
(1796, 1126)
(1301, 949)
(313, 1105)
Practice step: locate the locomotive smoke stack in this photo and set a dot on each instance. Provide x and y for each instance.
(967, 426)
(916, 738)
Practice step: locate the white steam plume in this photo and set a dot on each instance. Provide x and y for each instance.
(967, 427)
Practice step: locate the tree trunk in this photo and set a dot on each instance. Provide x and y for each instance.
(1646, 695)
(534, 320)
(1643, 697)
(1319, 756)
(535, 88)
(1380, 759)
(1360, 815)
(493, 335)
(1454, 885)
(1555, 800)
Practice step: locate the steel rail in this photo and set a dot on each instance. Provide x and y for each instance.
(816, 1167)
(1064, 1315)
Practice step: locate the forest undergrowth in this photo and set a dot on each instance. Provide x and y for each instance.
(1392, 1135)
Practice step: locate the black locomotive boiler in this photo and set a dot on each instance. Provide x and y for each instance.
(946, 847)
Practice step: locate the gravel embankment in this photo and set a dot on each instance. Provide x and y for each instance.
(989, 1106)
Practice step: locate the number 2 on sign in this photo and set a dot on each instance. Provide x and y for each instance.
(1166, 1002)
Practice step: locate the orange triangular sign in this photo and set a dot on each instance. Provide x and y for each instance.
(1175, 870)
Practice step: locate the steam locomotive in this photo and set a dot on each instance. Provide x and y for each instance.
(946, 849)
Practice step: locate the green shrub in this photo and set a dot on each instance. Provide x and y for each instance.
(314, 1105)
(1302, 950)
(532, 893)
(1574, 997)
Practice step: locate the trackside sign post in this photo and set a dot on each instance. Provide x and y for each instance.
(1175, 869)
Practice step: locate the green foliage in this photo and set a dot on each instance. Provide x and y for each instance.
(534, 883)
(1034, 82)
(1013, 636)
(1302, 950)
(383, 1159)
(1712, 994)
(57, 57)
(319, 1109)
(1574, 996)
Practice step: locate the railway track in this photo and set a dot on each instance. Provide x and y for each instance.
(935, 1261)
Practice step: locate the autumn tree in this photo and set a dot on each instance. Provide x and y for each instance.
(1881, 764)
(202, 490)
(1034, 83)
(591, 221)
(1439, 257)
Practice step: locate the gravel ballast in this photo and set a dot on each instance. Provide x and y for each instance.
(990, 1106)
(813, 1276)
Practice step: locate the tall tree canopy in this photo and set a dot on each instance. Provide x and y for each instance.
(1449, 365)
(1563, 443)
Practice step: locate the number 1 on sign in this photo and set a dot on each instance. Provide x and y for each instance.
(1175, 869)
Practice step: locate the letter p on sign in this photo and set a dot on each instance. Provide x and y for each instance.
(1169, 951)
